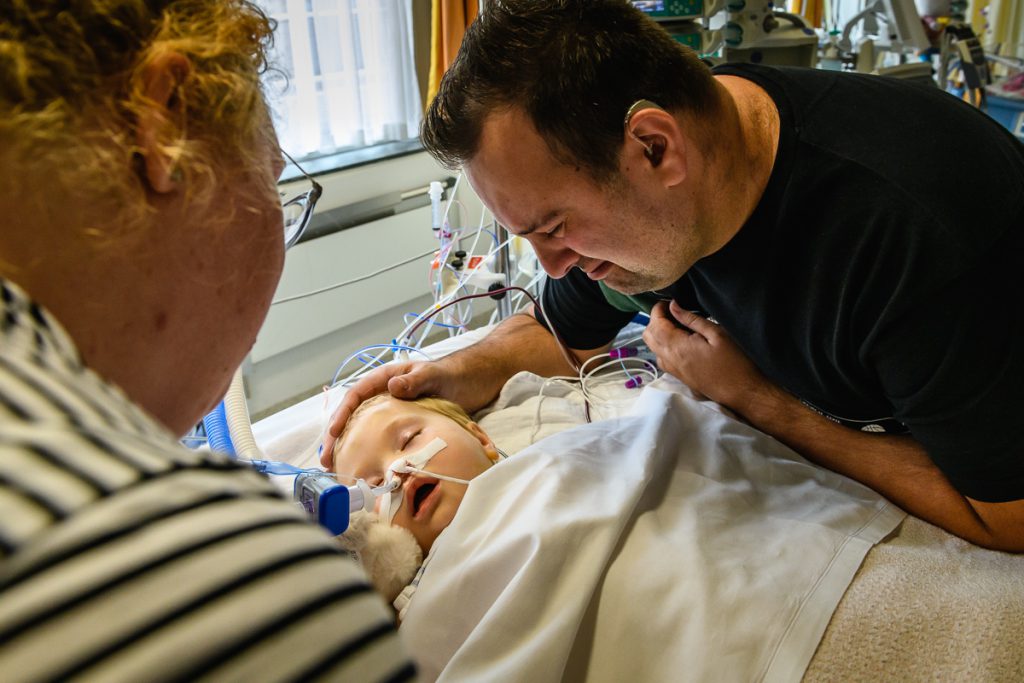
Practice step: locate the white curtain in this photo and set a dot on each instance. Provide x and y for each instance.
(349, 79)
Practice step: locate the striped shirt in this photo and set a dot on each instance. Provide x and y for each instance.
(126, 557)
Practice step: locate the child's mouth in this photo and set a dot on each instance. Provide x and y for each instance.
(421, 495)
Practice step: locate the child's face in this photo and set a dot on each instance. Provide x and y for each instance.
(394, 429)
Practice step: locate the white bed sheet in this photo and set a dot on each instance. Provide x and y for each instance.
(924, 605)
(634, 548)
(611, 625)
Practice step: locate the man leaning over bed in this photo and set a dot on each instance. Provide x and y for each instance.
(853, 245)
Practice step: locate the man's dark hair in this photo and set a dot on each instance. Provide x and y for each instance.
(575, 67)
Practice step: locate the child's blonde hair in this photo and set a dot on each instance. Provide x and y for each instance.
(434, 404)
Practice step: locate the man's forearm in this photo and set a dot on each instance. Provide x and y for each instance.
(896, 466)
(518, 344)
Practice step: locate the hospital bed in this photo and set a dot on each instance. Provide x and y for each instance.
(909, 602)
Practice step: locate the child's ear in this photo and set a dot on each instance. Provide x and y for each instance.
(489, 448)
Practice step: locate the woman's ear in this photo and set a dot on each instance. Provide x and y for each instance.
(490, 450)
(160, 118)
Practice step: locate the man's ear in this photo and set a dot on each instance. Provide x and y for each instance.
(654, 140)
(160, 118)
(489, 448)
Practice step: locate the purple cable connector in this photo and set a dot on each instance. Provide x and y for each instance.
(634, 382)
(624, 352)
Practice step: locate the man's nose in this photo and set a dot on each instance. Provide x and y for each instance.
(556, 260)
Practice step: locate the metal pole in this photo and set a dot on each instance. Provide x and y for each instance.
(504, 266)
(504, 262)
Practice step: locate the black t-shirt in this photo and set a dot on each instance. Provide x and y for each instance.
(881, 274)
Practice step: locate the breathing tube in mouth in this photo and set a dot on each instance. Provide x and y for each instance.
(331, 504)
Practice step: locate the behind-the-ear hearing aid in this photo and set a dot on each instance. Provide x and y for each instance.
(653, 152)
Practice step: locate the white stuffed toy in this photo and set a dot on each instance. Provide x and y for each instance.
(389, 554)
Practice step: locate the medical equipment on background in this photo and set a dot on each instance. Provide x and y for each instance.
(757, 32)
(435, 192)
(892, 26)
(682, 19)
(963, 66)
(754, 30)
(456, 269)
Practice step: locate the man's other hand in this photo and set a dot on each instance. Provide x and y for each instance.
(702, 355)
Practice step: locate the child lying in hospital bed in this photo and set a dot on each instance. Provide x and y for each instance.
(646, 516)
(445, 447)
(924, 605)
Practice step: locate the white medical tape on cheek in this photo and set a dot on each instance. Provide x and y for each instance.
(421, 457)
(386, 511)
(417, 461)
(392, 503)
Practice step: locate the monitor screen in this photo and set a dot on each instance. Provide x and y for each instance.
(649, 5)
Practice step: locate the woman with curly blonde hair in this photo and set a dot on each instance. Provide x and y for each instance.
(141, 241)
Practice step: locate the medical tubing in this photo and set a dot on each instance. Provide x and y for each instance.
(280, 468)
(440, 302)
(644, 368)
(566, 381)
(362, 496)
(448, 205)
(353, 281)
(403, 335)
(569, 357)
(434, 475)
(237, 416)
(417, 315)
(442, 258)
(410, 327)
(217, 435)
(369, 364)
(385, 347)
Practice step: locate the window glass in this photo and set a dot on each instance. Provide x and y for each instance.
(344, 75)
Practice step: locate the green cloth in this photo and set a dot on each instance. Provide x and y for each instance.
(629, 304)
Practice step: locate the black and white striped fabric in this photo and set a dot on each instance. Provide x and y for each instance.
(125, 557)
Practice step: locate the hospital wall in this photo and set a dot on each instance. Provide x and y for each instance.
(302, 342)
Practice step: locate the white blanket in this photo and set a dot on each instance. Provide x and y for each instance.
(674, 544)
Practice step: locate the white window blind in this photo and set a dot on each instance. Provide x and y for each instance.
(349, 75)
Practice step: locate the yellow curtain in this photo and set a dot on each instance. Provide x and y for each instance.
(449, 20)
(999, 22)
(811, 10)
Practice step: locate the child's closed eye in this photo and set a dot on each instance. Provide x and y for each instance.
(408, 440)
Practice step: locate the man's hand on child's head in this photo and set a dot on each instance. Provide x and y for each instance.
(402, 380)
